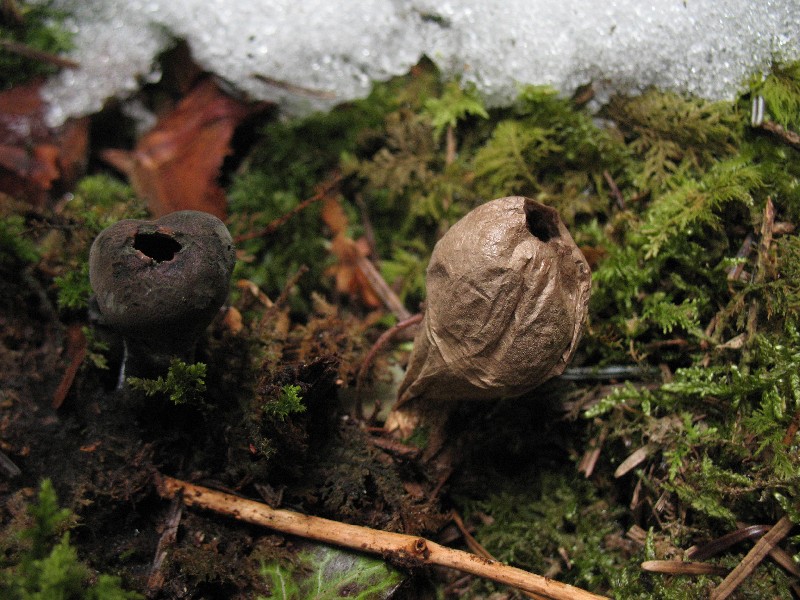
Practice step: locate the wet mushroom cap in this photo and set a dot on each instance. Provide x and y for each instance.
(162, 279)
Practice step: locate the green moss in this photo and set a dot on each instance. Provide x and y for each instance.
(16, 247)
(184, 383)
(98, 202)
(42, 28)
(48, 566)
(289, 401)
(532, 521)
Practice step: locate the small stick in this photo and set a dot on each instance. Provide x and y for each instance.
(615, 193)
(787, 136)
(36, 54)
(275, 224)
(404, 550)
(385, 337)
(382, 289)
(476, 547)
(8, 467)
(753, 558)
(155, 581)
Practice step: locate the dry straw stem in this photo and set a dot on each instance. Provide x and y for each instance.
(763, 546)
(400, 549)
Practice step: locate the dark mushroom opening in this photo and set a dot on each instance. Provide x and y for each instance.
(158, 246)
(542, 221)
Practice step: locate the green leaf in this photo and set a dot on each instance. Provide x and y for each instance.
(326, 573)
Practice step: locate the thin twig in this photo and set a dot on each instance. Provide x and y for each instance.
(36, 54)
(274, 225)
(384, 339)
(609, 372)
(615, 193)
(401, 549)
(785, 135)
(8, 467)
(476, 547)
(762, 547)
(155, 581)
(382, 289)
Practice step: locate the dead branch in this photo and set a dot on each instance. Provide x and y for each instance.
(155, 581)
(27, 51)
(400, 549)
(679, 567)
(753, 559)
(787, 136)
(384, 339)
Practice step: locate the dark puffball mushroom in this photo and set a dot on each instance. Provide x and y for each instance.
(508, 292)
(160, 283)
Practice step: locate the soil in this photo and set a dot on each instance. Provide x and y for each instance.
(103, 447)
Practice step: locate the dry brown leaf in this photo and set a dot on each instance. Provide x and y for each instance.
(175, 166)
(333, 216)
(33, 157)
(350, 278)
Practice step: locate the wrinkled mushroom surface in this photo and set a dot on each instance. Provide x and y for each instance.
(508, 292)
(160, 283)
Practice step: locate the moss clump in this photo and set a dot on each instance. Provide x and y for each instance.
(45, 566)
(99, 201)
(36, 26)
(183, 384)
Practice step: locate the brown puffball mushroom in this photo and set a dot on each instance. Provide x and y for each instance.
(160, 283)
(507, 296)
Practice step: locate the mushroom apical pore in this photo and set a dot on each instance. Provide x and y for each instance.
(160, 283)
(507, 296)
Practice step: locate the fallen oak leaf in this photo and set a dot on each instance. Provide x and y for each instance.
(350, 280)
(176, 164)
(349, 277)
(355, 274)
(33, 156)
